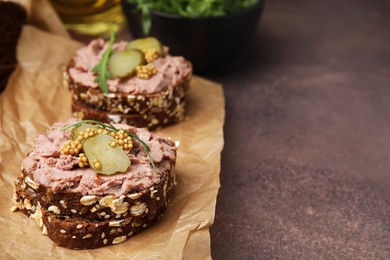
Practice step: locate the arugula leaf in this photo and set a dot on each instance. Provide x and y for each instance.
(102, 67)
(189, 8)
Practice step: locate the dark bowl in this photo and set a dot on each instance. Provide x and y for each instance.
(206, 42)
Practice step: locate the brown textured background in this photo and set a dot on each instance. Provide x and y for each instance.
(306, 165)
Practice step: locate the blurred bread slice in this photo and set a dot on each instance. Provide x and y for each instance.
(12, 17)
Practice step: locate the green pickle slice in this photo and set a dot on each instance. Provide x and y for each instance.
(75, 131)
(146, 43)
(123, 63)
(112, 159)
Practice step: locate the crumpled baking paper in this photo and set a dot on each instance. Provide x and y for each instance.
(35, 98)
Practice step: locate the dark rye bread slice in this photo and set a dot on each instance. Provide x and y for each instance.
(70, 223)
(153, 120)
(138, 203)
(12, 18)
(151, 110)
(80, 233)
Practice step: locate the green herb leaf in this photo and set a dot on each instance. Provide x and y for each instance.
(102, 67)
(146, 147)
(143, 7)
(146, 19)
(188, 8)
(108, 126)
(193, 8)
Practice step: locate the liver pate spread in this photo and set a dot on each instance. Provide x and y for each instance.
(46, 166)
(170, 70)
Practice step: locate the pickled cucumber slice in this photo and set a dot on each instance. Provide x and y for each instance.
(146, 44)
(75, 131)
(123, 63)
(111, 159)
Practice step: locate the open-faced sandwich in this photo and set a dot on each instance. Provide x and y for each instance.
(88, 184)
(136, 83)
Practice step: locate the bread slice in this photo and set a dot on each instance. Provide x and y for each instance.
(73, 221)
(82, 221)
(79, 233)
(154, 119)
(12, 18)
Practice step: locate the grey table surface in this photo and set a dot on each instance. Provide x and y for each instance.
(306, 164)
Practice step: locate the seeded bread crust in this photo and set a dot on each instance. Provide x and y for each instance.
(80, 233)
(88, 234)
(75, 221)
(151, 110)
(70, 222)
(94, 207)
(151, 121)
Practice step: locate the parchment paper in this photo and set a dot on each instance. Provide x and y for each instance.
(35, 98)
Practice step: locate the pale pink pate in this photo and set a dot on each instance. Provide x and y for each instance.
(171, 69)
(46, 166)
